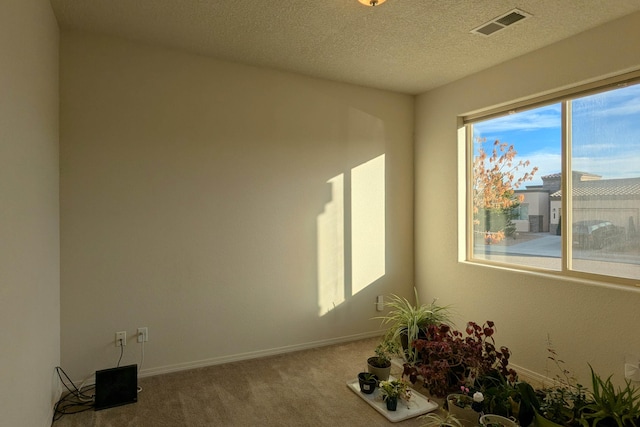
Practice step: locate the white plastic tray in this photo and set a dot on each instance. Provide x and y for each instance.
(418, 404)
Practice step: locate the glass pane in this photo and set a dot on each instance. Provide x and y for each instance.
(517, 164)
(606, 183)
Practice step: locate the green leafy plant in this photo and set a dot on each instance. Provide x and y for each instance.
(562, 402)
(407, 321)
(395, 388)
(367, 376)
(493, 394)
(508, 399)
(385, 351)
(611, 406)
(463, 400)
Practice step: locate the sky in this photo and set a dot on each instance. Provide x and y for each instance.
(605, 135)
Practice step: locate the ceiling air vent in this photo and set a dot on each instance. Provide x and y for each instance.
(502, 21)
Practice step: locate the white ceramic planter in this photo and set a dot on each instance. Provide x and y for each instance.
(467, 416)
(491, 420)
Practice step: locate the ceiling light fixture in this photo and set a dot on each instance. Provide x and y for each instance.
(371, 2)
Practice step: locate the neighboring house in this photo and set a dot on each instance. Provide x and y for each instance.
(615, 200)
(533, 211)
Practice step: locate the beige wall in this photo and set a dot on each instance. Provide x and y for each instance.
(193, 192)
(192, 195)
(29, 213)
(589, 324)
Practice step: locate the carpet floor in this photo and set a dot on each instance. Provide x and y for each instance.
(304, 388)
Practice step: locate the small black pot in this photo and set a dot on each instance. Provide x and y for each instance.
(367, 386)
(392, 403)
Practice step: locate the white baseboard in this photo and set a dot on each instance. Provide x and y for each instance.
(253, 355)
(536, 380)
(221, 360)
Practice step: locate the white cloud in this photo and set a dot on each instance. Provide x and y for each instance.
(547, 164)
(622, 102)
(606, 143)
(540, 118)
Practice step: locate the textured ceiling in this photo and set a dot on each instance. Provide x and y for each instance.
(407, 46)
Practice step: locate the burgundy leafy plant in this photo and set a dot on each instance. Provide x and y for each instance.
(448, 358)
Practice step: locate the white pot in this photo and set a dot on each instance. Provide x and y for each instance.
(495, 420)
(467, 416)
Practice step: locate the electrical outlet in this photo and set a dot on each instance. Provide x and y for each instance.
(380, 303)
(632, 367)
(143, 334)
(121, 339)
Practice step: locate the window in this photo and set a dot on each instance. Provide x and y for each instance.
(521, 212)
(519, 185)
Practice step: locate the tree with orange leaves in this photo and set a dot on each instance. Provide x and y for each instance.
(496, 176)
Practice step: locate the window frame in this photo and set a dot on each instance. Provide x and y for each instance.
(564, 97)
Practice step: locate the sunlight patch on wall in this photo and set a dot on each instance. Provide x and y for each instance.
(331, 249)
(351, 234)
(367, 223)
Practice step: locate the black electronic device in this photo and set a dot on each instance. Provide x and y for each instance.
(116, 386)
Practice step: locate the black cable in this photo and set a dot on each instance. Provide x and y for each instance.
(69, 404)
(121, 352)
(75, 390)
(74, 401)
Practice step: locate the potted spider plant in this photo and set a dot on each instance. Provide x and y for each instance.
(408, 322)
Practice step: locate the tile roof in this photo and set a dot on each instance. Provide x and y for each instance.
(553, 175)
(624, 187)
(579, 174)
